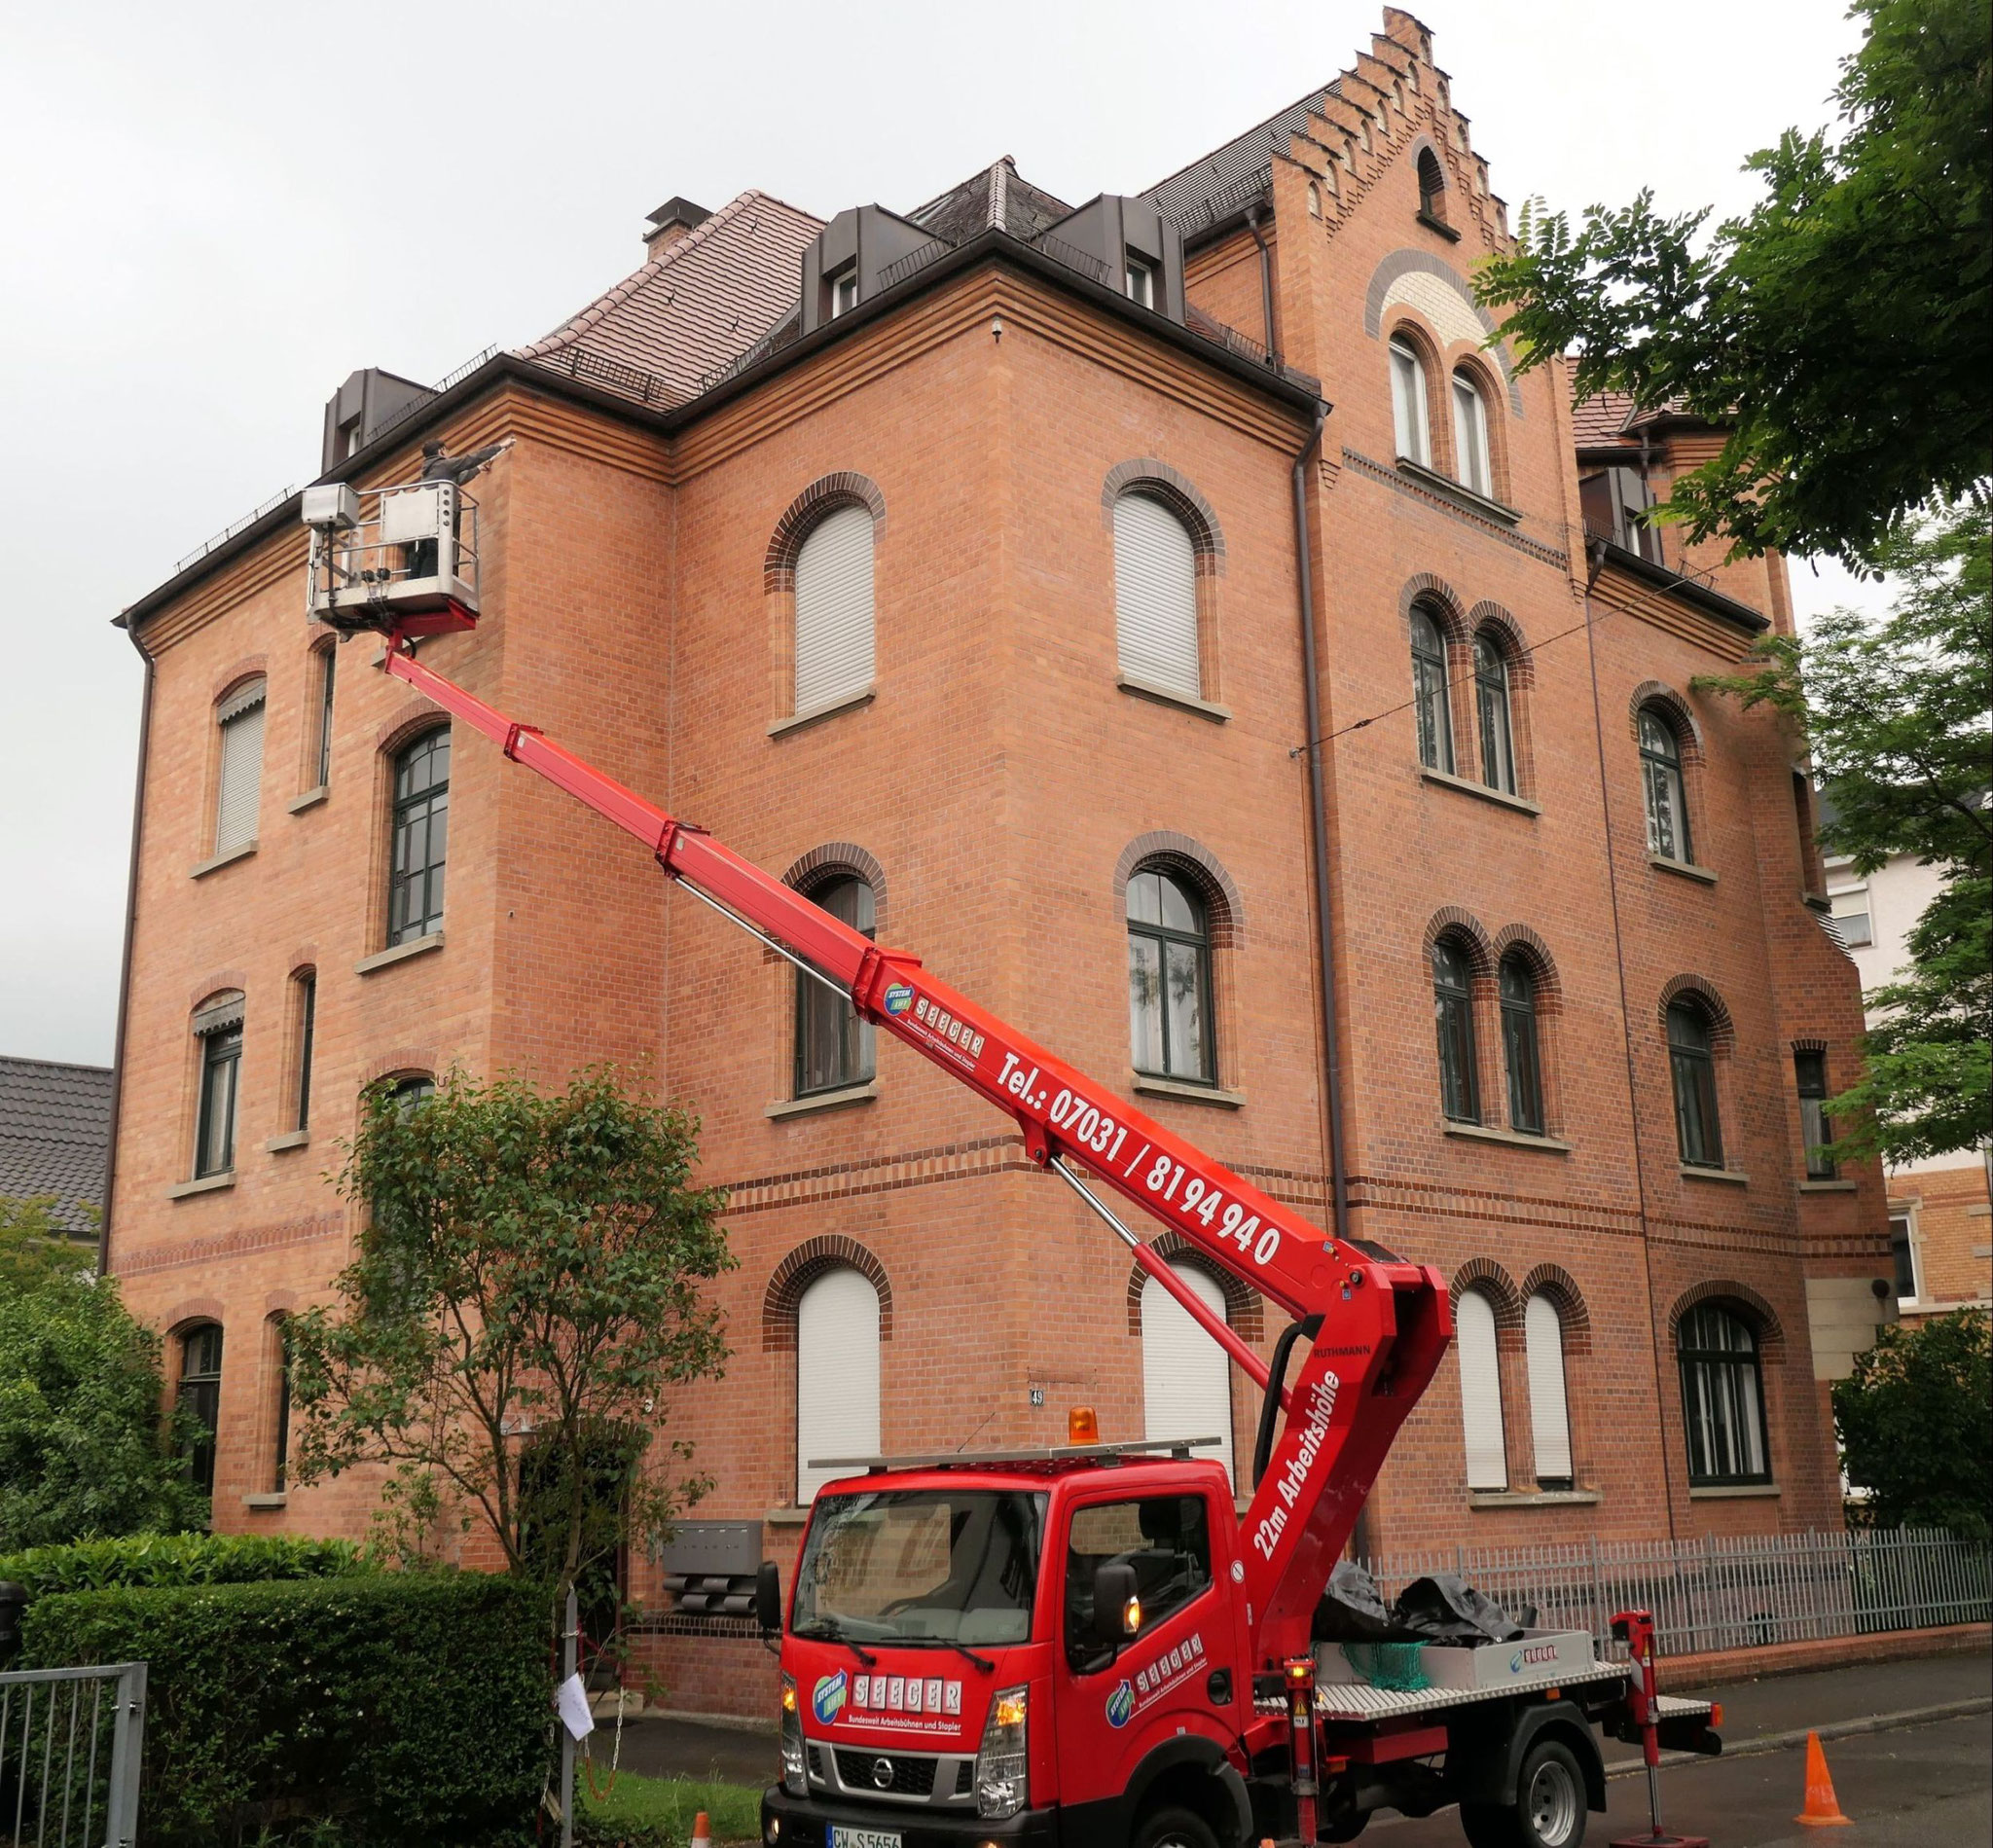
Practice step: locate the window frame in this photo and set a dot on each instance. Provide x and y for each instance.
(841, 289)
(204, 1400)
(1198, 941)
(430, 804)
(281, 1429)
(327, 674)
(1734, 1363)
(1910, 1250)
(1494, 713)
(1083, 1654)
(1176, 589)
(306, 984)
(221, 1069)
(1432, 690)
(1849, 941)
(1469, 1436)
(1473, 458)
(1522, 1033)
(1809, 1080)
(1410, 407)
(858, 1055)
(1693, 1077)
(246, 703)
(1538, 1360)
(1141, 293)
(1453, 1019)
(1662, 781)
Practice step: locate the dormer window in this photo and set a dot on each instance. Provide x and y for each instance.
(844, 291)
(1141, 282)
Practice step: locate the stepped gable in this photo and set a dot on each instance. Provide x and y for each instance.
(998, 198)
(1186, 195)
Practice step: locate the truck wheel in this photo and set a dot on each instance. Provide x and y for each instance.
(1174, 1828)
(1549, 1807)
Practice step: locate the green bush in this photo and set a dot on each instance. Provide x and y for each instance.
(408, 1710)
(152, 1560)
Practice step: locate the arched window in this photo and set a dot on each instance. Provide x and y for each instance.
(1186, 1385)
(1408, 405)
(1155, 596)
(421, 838)
(1169, 980)
(240, 784)
(1471, 436)
(1542, 1329)
(1723, 1397)
(1660, 770)
(1491, 707)
(218, 1031)
(417, 1088)
(1314, 199)
(837, 1376)
(304, 1034)
(1521, 1054)
(326, 658)
(1692, 1065)
(834, 630)
(200, 1392)
(1432, 186)
(1480, 1392)
(834, 1047)
(1431, 702)
(280, 1427)
(1453, 1012)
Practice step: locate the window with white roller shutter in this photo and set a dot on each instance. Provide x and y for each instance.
(240, 718)
(834, 653)
(1480, 1392)
(837, 1376)
(1155, 596)
(1187, 1386)
(1549, 1415)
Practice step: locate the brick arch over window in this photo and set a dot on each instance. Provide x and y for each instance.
(1403, 278)
(1438, 595)
(1763, 1317)
(1664, 698)
(1495, 1283)
(1180, 494)
(1450, 921)
(845, 488)
(213, 987)
(248, 667)
(1245, 1309)
(403, 1062)
(414, 720)
(1556, 1282)
(192, 1311)
(840, 857)
(1809, 1045)
(1722, 1030)
(1507, 632)
(1171, 851)
(1537, 954)
(803, 1267)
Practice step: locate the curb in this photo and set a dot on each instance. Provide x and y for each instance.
(1770, 1742)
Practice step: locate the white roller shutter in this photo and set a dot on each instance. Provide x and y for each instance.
(837, 1376)
(834, 655)
(1186, 1388)
(1549, 1416)
(1480, 1392)
(1155, 596)
(242, 775)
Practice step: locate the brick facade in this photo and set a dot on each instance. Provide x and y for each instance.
(637, 585)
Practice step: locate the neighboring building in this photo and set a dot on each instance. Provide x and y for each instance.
(1940, 1209)
(947, 563)
(55, 1138)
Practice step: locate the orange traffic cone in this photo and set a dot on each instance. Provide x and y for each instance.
(701, 1832)
(1822, 1809)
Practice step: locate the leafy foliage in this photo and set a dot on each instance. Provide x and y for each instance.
(527, 1290)
(1838, 329)
(408, 1710)
(82, 1449)
(1897, 713)
(1916, 1425)
(179, 1559)
(36, 1244)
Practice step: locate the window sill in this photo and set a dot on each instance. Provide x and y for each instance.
(1163, 696)
(1439, 225)
(1533, 1498)
(1733, 1490)
(1460, 494)
(1729, 1176)
(786, 1517)
(1682, 869)
(273, 1499)
(215, 862)
(311, 799)
(290, 1138)
(850, 701)
(1210, 1094)
(207, 1183)
(1446, 780)
(1515, 1139)
(383, 959)
(823, 1100)
(1828, 1186)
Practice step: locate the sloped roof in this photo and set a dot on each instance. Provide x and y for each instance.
(705, 301)
(998, 198)
(1600, 420)
(54, 1131)
(1188, 192)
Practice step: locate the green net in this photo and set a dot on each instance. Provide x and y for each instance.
(1393, 1665)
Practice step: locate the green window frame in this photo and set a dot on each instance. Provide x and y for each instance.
(199, 1391)
(835, 1049)
(1170, 980)
(1453, 1016)
(1692, 1067)
(1491, 700)
(1521, 1046)
(1662, 789)
(1723, 1398)
(420, 828)
(1431, 700)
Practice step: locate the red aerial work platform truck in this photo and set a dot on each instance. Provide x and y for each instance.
(1086, 1645)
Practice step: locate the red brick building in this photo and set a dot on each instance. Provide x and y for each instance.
(949, 563)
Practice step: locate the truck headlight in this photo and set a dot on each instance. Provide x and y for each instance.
(1003, 1780)
(795, 1773)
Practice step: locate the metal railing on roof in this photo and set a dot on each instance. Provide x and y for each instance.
(1224, 202)
(235, 527)
(786, 332)
(913, 263)
(633, 381)
(455, 376)
(1083, 260)
(1229, 337)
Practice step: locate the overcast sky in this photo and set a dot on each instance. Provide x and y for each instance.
(212, 213)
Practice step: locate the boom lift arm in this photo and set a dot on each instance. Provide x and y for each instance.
(1377, 1327)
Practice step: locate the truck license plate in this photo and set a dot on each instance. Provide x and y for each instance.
(841, 1837)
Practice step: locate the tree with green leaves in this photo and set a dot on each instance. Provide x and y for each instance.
(1896, 712)
(36, 1242)
(527, 1290)
(1915, 1420)
(85, 1451)
(1838, 329)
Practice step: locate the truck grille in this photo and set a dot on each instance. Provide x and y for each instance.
(910, 1775)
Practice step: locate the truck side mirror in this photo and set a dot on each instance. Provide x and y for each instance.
(1117, 1608)
(768, 1597)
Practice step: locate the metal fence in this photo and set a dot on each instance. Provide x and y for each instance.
(70, 1741)
(1742, 1593)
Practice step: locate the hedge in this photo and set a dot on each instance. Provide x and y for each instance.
(178, 1559)
(407, 1709)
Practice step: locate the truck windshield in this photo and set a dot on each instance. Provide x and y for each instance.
(917, 1565)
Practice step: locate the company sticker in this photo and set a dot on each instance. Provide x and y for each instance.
(898, 998)
(1121, 1705)
(827, 1698)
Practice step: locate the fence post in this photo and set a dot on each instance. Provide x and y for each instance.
(128, 1754)
(1599, 1611)
(567, 1650)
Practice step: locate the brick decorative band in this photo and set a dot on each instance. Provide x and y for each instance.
(255, 1238)
(1425, 497)
(884, 1174)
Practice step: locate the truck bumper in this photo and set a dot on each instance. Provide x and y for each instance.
(805, 1822)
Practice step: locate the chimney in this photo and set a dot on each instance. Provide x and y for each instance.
(674, 219)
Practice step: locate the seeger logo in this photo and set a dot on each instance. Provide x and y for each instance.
(827, 1699)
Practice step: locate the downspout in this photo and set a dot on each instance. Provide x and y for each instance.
(124, 964)
(1266, 297)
